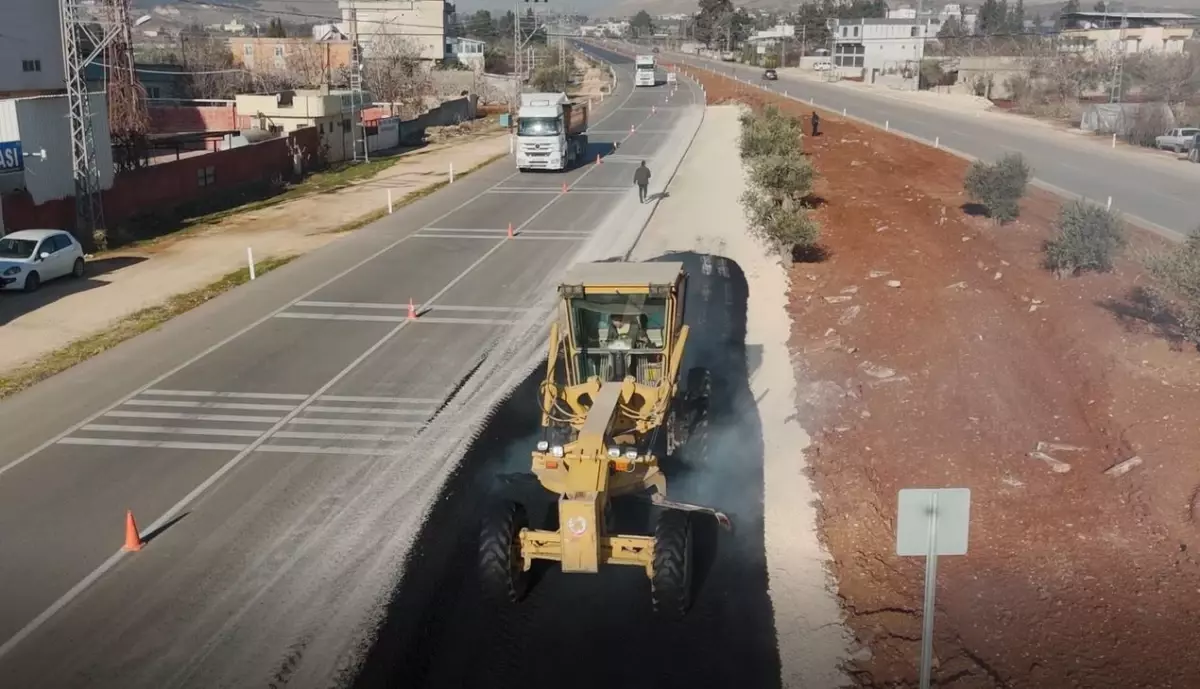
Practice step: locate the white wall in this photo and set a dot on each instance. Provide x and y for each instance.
(41, 123)
(422, 22)
(29, 30)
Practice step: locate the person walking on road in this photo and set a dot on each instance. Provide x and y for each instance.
(816, 123)
(641, 177)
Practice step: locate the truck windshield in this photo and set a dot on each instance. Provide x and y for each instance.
(537, 126)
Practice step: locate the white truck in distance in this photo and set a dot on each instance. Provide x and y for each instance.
(644, 71)
(551, 132)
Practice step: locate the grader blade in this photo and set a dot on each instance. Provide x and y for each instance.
(722, 518)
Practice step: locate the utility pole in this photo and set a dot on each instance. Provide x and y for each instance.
(1118, 75)
(89, 209)
(358, 130)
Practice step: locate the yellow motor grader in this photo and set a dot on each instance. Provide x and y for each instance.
(611, 408)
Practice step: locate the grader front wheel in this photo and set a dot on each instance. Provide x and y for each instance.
(501, 567)
(671, 584)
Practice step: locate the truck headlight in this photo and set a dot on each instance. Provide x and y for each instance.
(557, 451)
(631, 455)
(614, 452)
(542, 446)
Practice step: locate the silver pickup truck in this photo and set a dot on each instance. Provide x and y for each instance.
(1178, 140)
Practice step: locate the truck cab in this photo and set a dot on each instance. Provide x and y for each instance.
(550, 132)
(644, 69)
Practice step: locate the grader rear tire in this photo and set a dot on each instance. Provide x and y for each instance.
(501, 568)
(671, 585)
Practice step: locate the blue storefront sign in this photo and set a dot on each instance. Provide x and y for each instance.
(11, 159)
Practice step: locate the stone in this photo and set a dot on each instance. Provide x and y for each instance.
(1057, 466)
(1122, 468)
(894, 284)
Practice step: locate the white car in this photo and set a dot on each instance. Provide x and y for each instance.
(30, 257)
(1178, 140)
(822, 66)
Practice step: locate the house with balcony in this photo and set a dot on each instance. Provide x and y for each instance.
(875, 47)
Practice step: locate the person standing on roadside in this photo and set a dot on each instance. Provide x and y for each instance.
(816, 123)
(641, 177)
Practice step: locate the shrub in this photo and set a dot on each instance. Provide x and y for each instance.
(1088, 238)
(998, 187)
(1177, 273)
(769, 132)
(783, 229)
(783, 177)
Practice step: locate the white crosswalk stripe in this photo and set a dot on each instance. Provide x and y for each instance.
(212, 421)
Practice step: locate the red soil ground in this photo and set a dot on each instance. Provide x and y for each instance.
(1073, 579)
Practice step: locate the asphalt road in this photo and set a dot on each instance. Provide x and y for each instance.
(1154, 191)
(235, 431)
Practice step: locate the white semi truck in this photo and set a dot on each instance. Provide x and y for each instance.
(551, 132)
(644, 71)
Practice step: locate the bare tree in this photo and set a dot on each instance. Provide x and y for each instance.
(1172, 79)
(210, 62)
(308, 64)
(394, 73)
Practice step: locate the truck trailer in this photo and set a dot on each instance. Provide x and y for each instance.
(551, 132)
(644, 71)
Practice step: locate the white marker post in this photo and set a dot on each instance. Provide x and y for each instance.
(1114, 140)
(1109, 206)
(887, 125)
(389, 193)
(250, 261)
(843, 112)
(937, 142)
(452, 173)
(931, 522)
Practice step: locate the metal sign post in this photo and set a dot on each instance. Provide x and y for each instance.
(931, 522)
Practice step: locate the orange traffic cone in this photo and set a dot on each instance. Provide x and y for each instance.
(133, 539)
(412, 309)
(510, 230)
(599, 160)
(564, 187)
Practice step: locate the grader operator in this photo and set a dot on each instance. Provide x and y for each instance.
(611, 408)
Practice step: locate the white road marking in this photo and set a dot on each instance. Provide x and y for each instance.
(209, 405)
(365, 423)
(158, 444)
(404, 307)
(573, 190)
(171, 430)
(304, 435)
(366, 410)
(190, 417)
(176, 509)
(518, 238)
(230, 395)
(380, 400)
(389, 319)
(318, 450)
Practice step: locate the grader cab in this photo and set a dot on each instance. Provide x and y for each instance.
(611, 408)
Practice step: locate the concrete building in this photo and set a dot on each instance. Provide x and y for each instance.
(161, 81)
(332, 112)
(468, 51)
(902, 12)
(315, 62)
(31, 54)
(419, 23)
(872, 48)
(1130, 32)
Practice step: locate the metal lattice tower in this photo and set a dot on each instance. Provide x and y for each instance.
(357, 100)
(1118, 73)
(89, 210)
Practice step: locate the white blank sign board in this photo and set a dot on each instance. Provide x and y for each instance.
(914, 515)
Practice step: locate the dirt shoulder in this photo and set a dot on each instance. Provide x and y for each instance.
(953, 378)
(124, 282)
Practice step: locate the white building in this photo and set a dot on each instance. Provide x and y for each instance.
(31, 56)
(332, 112)
(872, 48)
(1127, 32)
(902, 12)
(419, 23)
(39, 123)
(467, 51)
